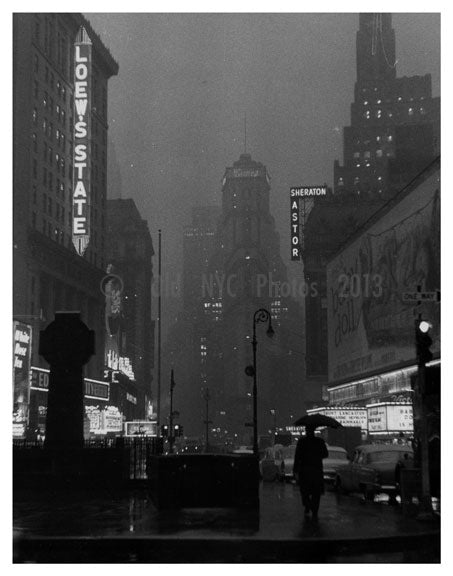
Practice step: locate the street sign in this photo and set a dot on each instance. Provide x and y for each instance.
(421, 296)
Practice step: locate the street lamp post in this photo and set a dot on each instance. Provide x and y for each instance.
(261, 315)
(171, 432)
(207, 397)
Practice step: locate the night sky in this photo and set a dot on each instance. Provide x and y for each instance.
(176, 108)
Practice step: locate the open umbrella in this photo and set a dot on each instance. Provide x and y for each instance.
(315, 420)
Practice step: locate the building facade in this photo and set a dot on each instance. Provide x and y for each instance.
(49, 274)
(248, 274)
(130, 332)
(395, 122)
(394, 134)
(371, 335)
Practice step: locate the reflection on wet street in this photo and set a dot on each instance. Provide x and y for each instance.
(280, 516)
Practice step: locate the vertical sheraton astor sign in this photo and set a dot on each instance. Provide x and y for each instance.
(82, 139)
(302, 201)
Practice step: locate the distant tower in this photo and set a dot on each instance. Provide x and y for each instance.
(375, 47)
(395, 122)
(250, 264)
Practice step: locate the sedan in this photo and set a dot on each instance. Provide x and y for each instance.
(337, 458)
(284, 459)
(373, 469)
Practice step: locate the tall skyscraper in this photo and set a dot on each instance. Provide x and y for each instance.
(129, 255)
(185, 349)
(395, 122)
(198, 247)
(248, 274)
(394, 134)
(233, 267)
(49, 210)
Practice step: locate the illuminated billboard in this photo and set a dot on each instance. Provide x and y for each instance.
(140, 428)
(22, 337)
(370, 323)
(390, 417)
(93, 389)
(302, 199)
(82, 143)
(103, 420)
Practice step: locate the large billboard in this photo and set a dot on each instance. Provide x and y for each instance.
(22, 335)
(82, 143)
(370, 323)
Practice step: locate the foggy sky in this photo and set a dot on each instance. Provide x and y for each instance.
(176, 108)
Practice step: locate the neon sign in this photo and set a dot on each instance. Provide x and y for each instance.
(295, 230)
(82, 138)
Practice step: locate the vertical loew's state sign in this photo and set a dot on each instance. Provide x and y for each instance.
(82, 142)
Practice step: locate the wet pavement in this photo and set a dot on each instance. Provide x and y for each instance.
(126, 527)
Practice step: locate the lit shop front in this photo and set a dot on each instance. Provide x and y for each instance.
(378, 421)
(96, 398)
(371, 331)
(350, 416)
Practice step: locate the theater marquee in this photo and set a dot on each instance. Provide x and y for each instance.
(82, 138)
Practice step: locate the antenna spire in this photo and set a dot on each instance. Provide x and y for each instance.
(245, 132)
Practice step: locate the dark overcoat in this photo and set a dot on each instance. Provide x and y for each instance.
(310, 452)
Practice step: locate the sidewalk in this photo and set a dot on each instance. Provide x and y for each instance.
(126, 527)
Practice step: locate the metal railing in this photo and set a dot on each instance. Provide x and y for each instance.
(140, 450)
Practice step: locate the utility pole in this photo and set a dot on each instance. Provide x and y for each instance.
(274, 414)
(159, 330)
(423, 342)
(171, 436)
(207, 397)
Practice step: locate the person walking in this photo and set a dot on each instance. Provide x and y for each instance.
(308, 470)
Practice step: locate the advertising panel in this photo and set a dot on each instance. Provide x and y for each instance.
(93, 389)
(377, 418)
(112, 419)
(400, 418)
(301, 199)
(22, 336)
(104, 420)
(82, 143)
(370, 322)
(140, 428)
(390, 417)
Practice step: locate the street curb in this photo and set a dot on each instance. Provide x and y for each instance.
(419, 547)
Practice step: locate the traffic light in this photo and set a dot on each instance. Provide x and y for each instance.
(164, 431)
(423, 341)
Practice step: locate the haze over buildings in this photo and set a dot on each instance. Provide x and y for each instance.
(177, 109)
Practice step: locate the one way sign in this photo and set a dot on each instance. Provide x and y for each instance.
(421, 296)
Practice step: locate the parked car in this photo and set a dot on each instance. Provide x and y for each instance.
(337, 457)
(372, 470)
(284, 459)
(243, 450)
(268, 466)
